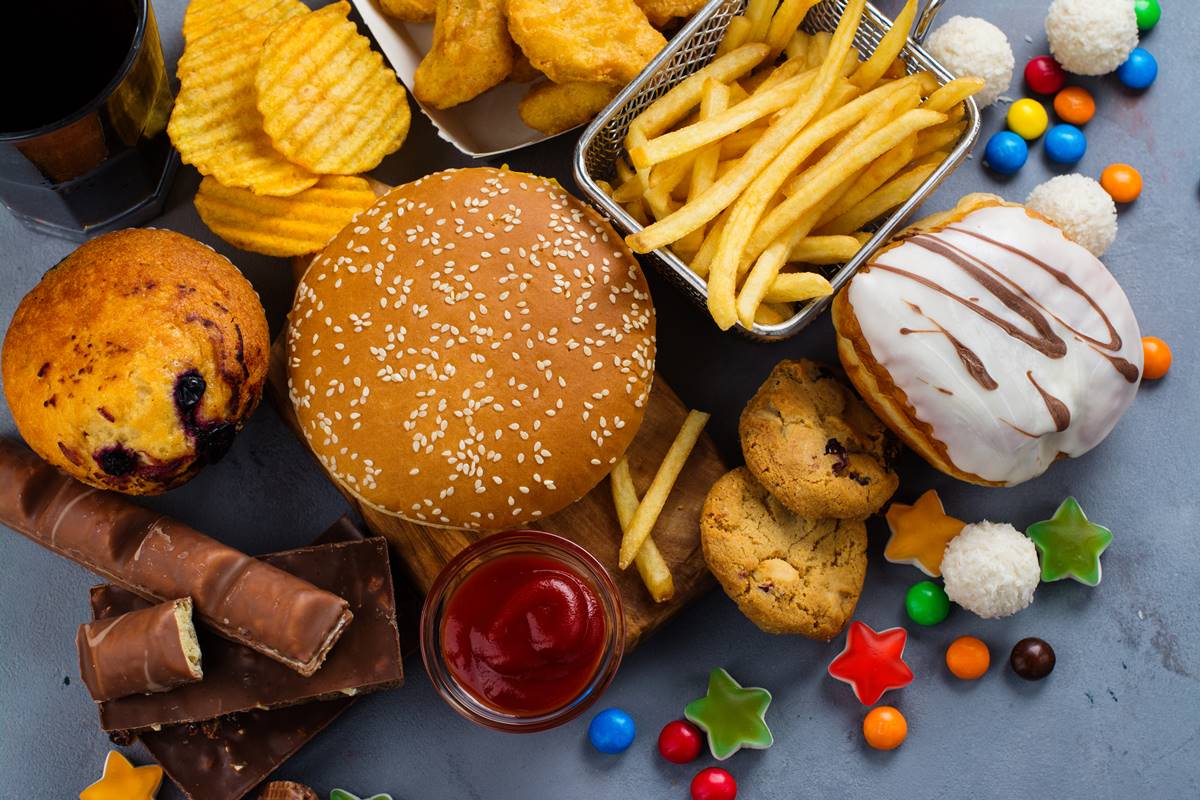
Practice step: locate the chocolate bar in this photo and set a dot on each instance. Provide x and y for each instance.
(237, 679)
(157, 558)
(287, 790)
(149, 650)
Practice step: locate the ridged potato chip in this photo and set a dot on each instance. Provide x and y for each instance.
(205, 16)
(283, 226)
(328, 102)
(215, 124)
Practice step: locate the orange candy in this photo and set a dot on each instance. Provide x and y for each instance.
(1122, 182)
(968, 658)
(885, 728)
(1157, 358)
(1075, 105)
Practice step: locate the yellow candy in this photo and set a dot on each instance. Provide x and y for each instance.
(1028, 119)
(124, 781)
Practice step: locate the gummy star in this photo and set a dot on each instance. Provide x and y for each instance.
(732, 716)
(342, 794)
(1070, 546)
(872, 663)
(123, 781)
(920, 533)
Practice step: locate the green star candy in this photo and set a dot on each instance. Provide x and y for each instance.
(342, 794)
(1070, 546)
(732, 717)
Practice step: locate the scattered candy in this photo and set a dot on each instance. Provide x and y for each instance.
(713, 783)
(123, 781)
(342, 794)
(611, 731)
(1139, 71)
(1147, 12)
(885, 728)
(1080, 206)
(926, 603)
(1027, 118)
(733, 717)
(872, 662)
(1075, 105)
(1043, 75)
(1005, 153)
(974, 46)
(968, 658)
(1032, 659)
(680, 742)
(1070, 545)
(1157, 357)
(1122, 182)
(920, 533)
(991, 569)
(1065, 144)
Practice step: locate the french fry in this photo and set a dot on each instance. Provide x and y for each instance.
(649, 559)
(759, 13)
(951, 94)
(794, 287)
(879, 173)
(660, 488)
(889, 48)
(937, 138)
(704, 170)
(659, 202)
(772, 313)
(704, 256)
(785, 25)
(823, 250)
(737, 33)
(670, 174)
(818, 48)
(883, 199)
(797, 48)
(637, 209)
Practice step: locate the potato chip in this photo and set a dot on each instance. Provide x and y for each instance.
(283, 226)
(328, 102)
(205, 16)
(215, 125)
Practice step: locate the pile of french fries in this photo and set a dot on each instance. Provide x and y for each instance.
(770, 160)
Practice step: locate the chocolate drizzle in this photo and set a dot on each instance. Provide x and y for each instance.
(1057, 408)
(970, 360)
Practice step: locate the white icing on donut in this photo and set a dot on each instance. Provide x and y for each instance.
(1009, 361)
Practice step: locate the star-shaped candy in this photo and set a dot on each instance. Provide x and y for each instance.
(872, 663)
(733, 717)
(1070, 546)
(920, 533)
(123, 781)
(342, 794)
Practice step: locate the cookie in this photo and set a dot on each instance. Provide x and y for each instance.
(815, 446)
(787, 573)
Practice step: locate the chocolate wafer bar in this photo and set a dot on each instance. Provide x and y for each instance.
(286, 790)
(149, 650)
(157, 558)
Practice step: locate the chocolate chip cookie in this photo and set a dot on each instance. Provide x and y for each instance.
(787, 573)
(815, 446)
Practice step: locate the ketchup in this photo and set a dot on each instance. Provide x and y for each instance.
(524, 634)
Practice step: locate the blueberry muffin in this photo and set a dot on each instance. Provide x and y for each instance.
(135, 360)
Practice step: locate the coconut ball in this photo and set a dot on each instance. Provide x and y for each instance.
(973, 46)
(1091, 37)
(991, 569)
(1080, 206)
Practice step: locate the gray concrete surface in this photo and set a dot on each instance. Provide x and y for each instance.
(1120, 716)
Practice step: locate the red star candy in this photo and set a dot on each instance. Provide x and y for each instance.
(872, 663)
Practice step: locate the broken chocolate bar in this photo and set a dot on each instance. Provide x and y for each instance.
(149, 650)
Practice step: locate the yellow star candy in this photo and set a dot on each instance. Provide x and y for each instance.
(124, 781)
(920, 533)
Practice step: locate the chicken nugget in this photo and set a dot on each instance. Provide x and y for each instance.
(556, 107)
(523, 71)
(410, 10)
(471, 53)
(661, 12)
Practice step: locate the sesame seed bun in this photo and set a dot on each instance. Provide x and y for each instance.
(473, 351)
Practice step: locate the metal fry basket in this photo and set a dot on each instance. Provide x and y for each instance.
(692, 48)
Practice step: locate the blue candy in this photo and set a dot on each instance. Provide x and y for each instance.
(1139, 70)
(611, 731)
(1065, 144)
(1005, 152)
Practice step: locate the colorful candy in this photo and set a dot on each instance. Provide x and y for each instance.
(123, 781)
(1139, 70)
(342, 794)
(1122, 182)
(1065, 144)
(1156, 356)
(733, 717)
(680, 741)
(968, 658)
(920, 533)
(1148, 13)
(872, 663)
(1027, 118)
(611, 731)
(1043, 75)
(1032, 659)
(1070, 545)
(713, 783)
(885, 728)
(1075, 105)
(926, 603)
(1005, 153)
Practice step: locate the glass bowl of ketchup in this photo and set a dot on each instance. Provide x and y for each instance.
(522, 631)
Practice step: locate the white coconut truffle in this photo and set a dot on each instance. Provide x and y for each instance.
(1080, 206)
(991, 569)
(1091, 37)
(972, 46)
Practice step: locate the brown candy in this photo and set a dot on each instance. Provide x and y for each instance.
(1032, 658)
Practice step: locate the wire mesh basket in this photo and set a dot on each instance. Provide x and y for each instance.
(691, 49)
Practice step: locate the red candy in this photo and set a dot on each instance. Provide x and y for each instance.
(1043, 75)
(680, 742)
(872, 663)
(713, 784)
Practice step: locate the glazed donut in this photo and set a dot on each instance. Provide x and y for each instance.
(990, 343)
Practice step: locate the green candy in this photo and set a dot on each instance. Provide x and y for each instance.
(1148, 13)
(733, 717)
(926, 603)
(1070, 546)
(342, 794)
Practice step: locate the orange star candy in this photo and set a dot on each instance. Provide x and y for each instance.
(920, 533)
(124, 781)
